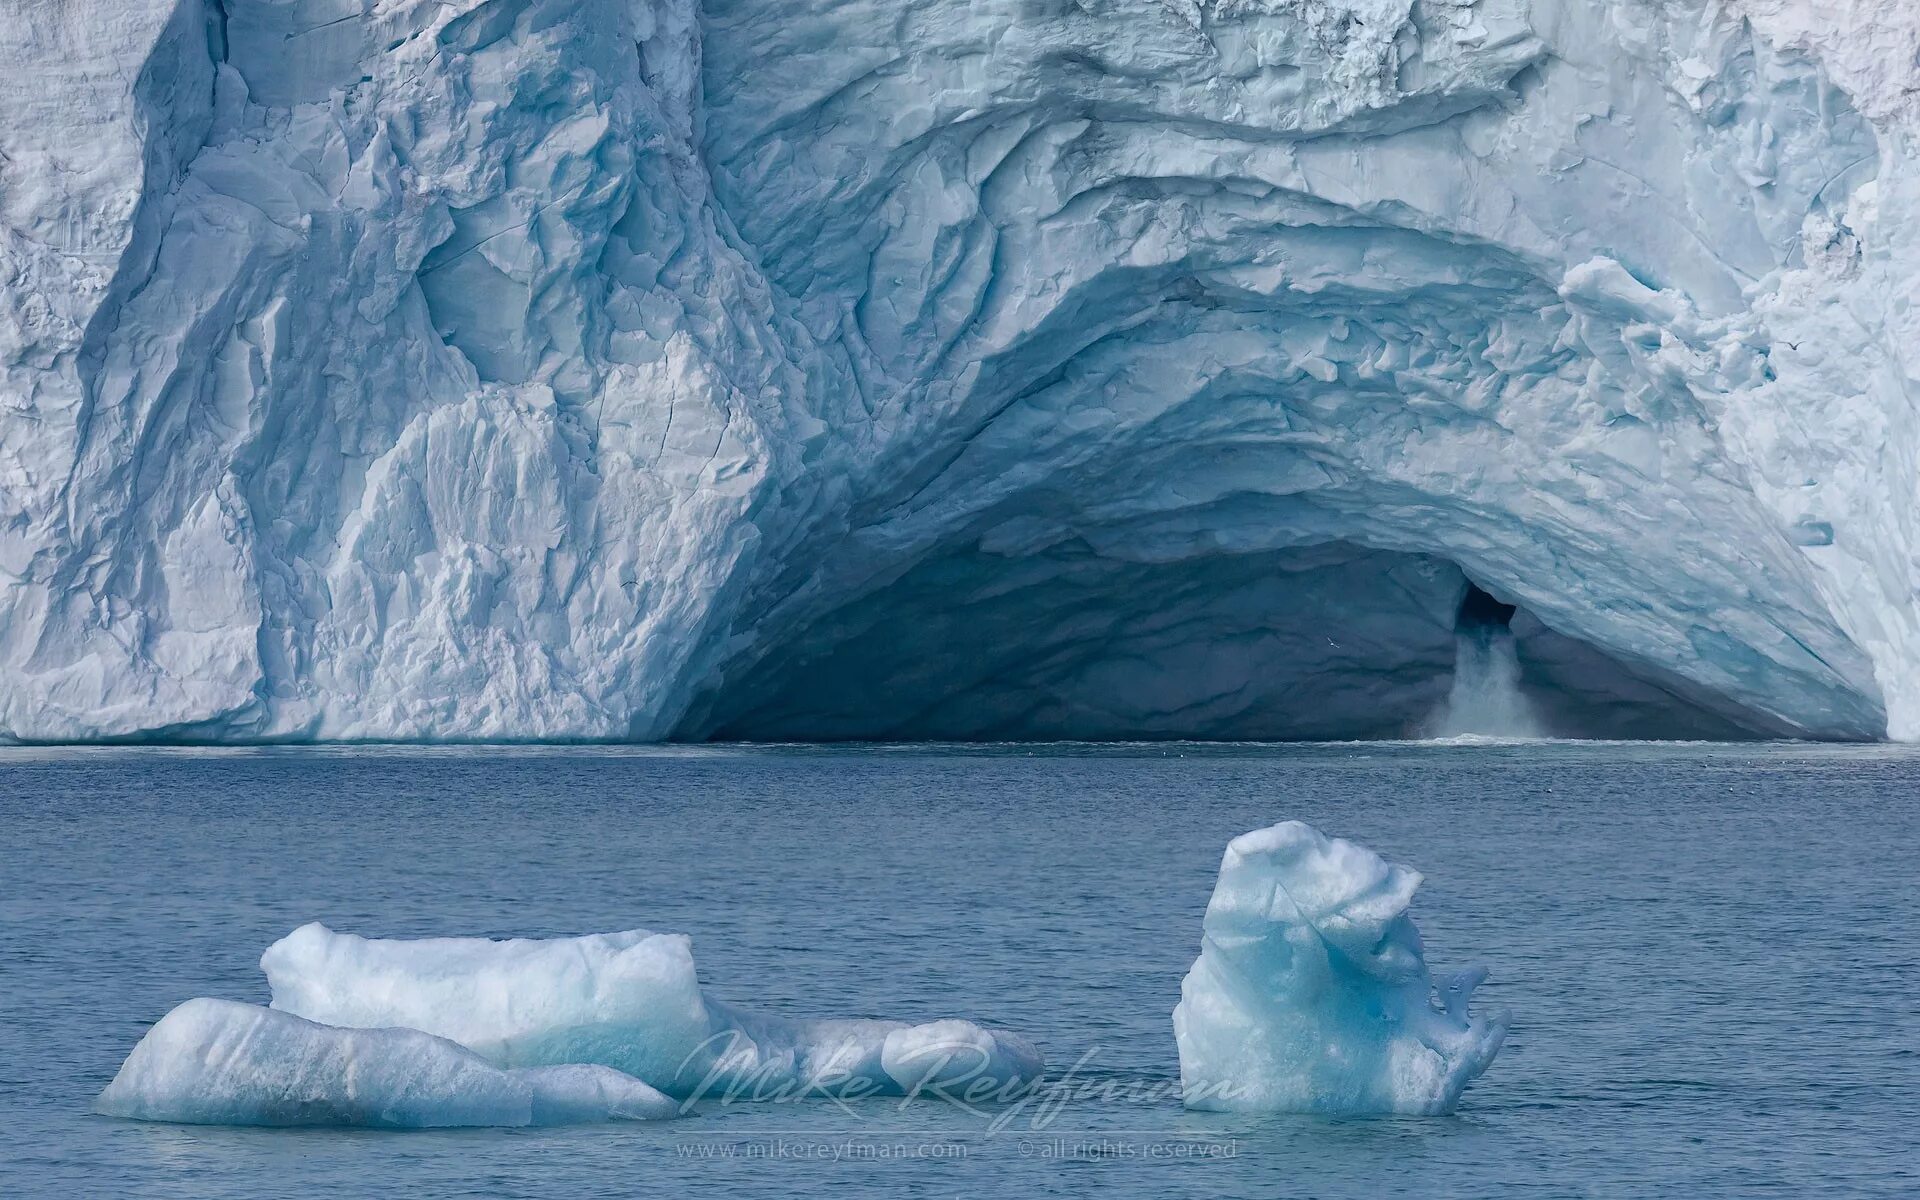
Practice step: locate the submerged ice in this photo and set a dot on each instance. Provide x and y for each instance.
(220, 1062)
(630, 1001)
(440, 369)
(1312, 994)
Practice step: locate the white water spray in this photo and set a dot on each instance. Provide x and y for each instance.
(1486, 700)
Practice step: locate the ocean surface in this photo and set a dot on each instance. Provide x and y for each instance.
(1710, 954)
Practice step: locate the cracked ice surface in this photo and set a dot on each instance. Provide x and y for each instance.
(594, 368)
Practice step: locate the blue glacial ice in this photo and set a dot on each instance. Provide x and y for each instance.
(220, 1062)
(1311, 993)
(631, 1001)
(464, 369)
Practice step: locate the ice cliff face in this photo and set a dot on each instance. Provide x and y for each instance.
(607, 368)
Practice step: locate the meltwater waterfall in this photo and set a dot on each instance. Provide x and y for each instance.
(1486, 699)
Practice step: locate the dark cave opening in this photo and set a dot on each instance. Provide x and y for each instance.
(1479, 609)
(1333, 641)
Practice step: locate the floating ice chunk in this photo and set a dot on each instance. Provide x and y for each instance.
(1311, 993)
(631, 1001)
(220, 1062)
(628, 1000)
(956, 1058)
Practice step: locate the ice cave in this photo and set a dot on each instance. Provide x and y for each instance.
(528, 369)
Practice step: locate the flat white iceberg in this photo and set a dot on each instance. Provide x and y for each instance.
(220, 1062)
(632, 1001)
(1311, 993)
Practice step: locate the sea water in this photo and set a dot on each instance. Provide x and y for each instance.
(1709, 954)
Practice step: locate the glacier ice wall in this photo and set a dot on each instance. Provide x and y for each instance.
(637, 368)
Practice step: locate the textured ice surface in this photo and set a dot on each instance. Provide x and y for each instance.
(219, 1062)
(1311, 993)
(630, 1001)
(602, 368)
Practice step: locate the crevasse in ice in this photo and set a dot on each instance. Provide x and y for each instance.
(1312, 994)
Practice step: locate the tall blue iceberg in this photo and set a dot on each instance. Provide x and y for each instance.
(1311, 993)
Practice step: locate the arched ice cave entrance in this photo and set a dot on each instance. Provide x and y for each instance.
(1326, 642)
